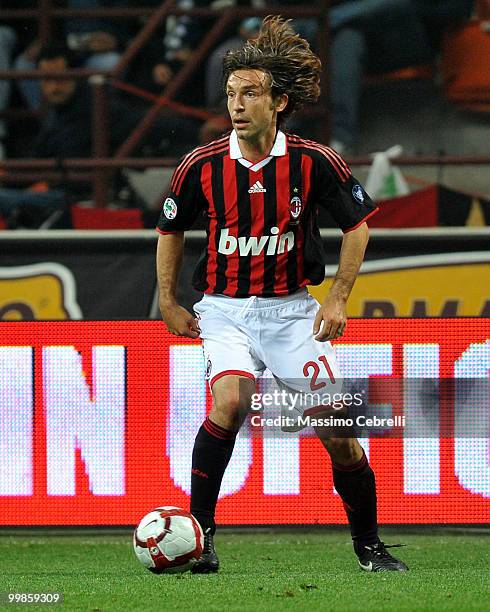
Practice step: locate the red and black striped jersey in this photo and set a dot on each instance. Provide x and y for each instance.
(262, 231)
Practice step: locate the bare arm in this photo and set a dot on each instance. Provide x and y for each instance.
(178, 320)
(331, 318)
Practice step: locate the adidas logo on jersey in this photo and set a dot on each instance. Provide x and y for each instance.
(257, 187)
(255, 245)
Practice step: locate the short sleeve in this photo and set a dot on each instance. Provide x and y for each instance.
(183, 203)
(342, 195)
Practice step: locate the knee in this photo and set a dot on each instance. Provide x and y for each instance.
(231, 403)
(229, 410)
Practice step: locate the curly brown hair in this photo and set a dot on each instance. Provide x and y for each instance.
(286, 57)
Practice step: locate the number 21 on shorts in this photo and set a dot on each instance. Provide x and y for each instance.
(316, 368)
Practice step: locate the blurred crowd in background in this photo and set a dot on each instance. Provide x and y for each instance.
(366, 37)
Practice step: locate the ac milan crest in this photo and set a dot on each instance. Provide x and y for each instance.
(295, 207)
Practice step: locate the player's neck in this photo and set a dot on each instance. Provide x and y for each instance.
(257, 149)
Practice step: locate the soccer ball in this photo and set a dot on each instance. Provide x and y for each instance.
(168, 540)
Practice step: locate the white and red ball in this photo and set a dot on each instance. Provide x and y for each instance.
(168, 540)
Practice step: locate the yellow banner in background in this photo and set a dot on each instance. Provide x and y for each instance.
(43, 291)
(440, 285)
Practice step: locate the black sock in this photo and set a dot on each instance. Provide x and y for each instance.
(356, 486)
(212, 452)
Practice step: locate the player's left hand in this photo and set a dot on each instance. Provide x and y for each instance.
(330, 320)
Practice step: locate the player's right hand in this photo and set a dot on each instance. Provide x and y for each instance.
(180, 322)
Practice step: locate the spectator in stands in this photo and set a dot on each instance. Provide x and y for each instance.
(168, 50)
(66, 131)
(8, 39)
(376, 36)
(98, 42)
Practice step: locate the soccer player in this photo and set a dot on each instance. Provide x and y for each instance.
(260, 190)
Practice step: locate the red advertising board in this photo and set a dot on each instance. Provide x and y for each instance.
(98, 418)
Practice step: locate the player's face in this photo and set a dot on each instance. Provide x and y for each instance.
(252, 108)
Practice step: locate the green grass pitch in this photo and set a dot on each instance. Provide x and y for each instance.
(277, 570)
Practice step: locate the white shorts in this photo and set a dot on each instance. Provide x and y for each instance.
(247, 336)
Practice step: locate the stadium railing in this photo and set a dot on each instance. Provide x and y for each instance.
(99, 168)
